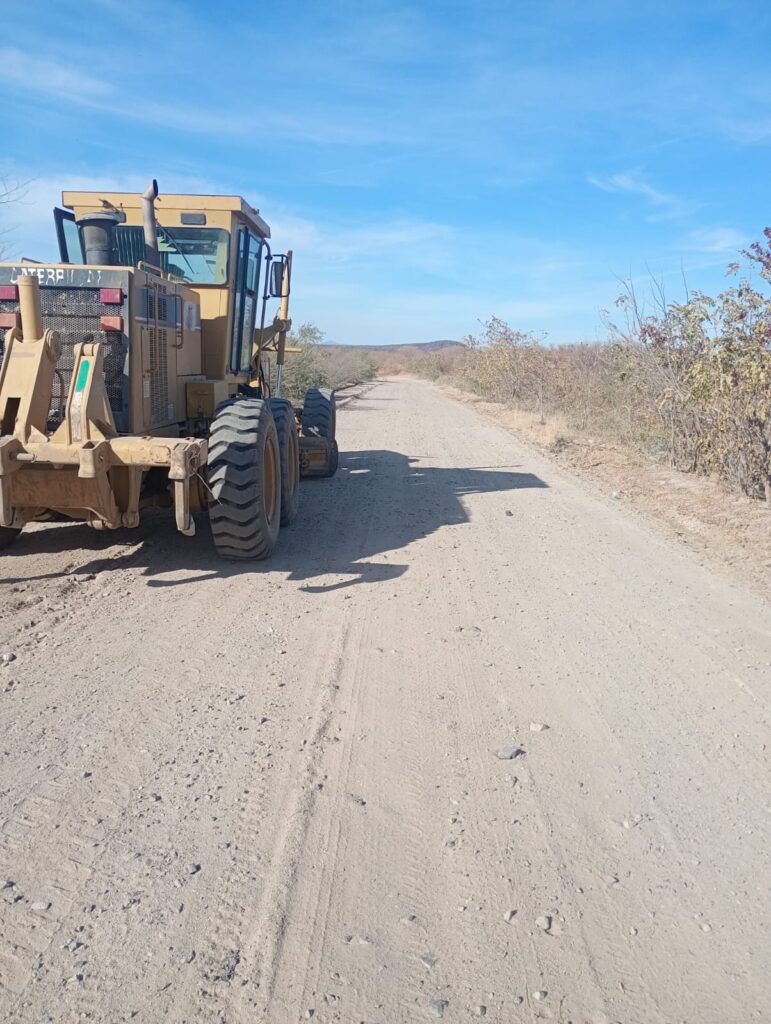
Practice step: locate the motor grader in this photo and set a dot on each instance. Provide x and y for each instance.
(142, 370)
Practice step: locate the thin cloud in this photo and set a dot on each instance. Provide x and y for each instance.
(26, 73)
(748, 131)
(719, 240)
(23, 72)
(632, 183)
(421, 245)
(30, 74)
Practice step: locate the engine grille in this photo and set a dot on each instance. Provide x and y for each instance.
(75, 313)
(159, 380)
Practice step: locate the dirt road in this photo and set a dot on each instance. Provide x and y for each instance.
(273, 793)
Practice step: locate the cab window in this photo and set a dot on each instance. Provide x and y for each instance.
(195, 255)
(68, 237)
(245, 300)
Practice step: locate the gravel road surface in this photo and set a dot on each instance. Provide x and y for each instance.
(477, 741)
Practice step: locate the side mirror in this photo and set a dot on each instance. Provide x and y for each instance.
(277, 278)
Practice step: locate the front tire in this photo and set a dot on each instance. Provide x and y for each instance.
(243, 472)
(289, 451)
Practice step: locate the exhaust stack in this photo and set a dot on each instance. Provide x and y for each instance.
(97, 230)
(149, 196)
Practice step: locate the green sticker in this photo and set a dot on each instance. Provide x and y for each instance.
(82, 376)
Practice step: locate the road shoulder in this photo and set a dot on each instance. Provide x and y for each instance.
(730, 530)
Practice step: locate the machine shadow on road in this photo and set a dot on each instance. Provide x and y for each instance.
(379, 502)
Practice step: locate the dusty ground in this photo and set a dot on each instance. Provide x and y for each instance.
(267, 794)
(728, 528)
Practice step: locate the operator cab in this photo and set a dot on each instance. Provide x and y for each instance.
(216, 245)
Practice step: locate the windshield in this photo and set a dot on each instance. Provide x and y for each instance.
(196, 255)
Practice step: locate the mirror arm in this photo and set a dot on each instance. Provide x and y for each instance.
(286, 284)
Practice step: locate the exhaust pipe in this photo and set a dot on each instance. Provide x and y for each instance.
(149, 196)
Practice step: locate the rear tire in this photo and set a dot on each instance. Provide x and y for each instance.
(333, 460)
(243, 472)
(289, 451)
(319, 413)
(8, 535)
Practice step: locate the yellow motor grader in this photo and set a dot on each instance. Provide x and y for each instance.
(141, 370)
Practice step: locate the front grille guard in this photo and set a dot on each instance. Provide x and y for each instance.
(75, 313)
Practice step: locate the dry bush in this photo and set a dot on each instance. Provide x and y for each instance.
(707, 366)
(392, 362)
(347, 365)
(590, 386)
(692, 382)
(448, 363)
(322, 366)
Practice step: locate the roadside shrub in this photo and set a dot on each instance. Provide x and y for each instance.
(706, 365)
(317, 365)
(691, 382)
(433, 365)
(304, 369)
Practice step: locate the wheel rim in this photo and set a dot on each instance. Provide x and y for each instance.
(270, 479)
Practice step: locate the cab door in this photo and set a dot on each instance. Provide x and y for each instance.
(245, 300)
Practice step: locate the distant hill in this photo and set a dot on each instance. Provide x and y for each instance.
(423, 346)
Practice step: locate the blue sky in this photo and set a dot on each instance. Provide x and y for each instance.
(431, 164)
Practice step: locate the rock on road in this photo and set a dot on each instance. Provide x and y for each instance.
(274, 792)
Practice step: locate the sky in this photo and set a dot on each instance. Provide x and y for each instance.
(431, 164)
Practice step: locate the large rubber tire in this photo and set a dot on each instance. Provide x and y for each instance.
(289, 451)
(319, 413)
(333, 460)
(8, 535)
(243, 474)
